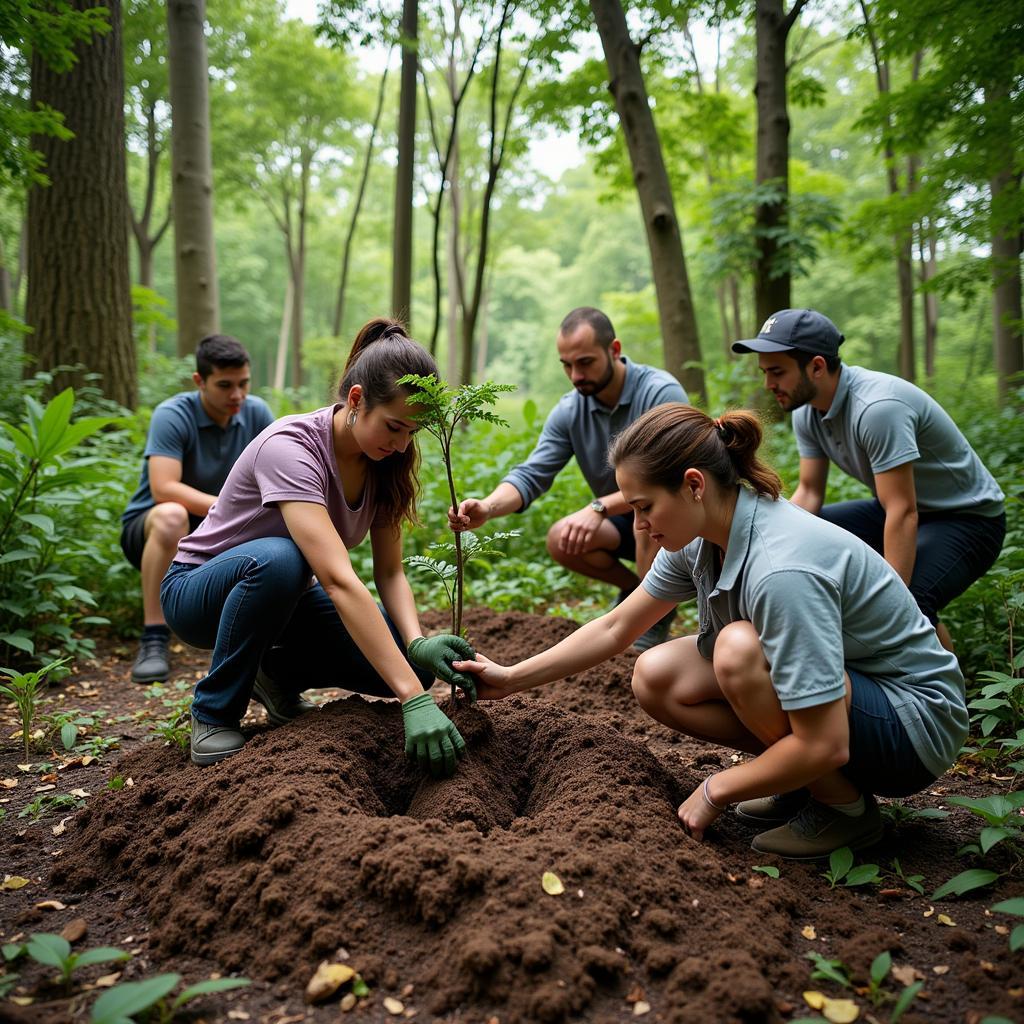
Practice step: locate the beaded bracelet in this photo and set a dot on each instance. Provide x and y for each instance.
(707, 796)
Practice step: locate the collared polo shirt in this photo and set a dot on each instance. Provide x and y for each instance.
(877, 422)
(581, 426)
(181, 429)
(821, 601)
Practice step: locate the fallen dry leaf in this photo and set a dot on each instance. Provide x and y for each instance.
(928, 912)
(408, 991)
(13, 882)
(636, 994)
(48, 777)
(808, 931)
(551, 884)
(241, 1014)
(25, 767)
(837, 1011)
(43, 789)
(327, 979)
(1001, 929)
(941, 969)
(987, 966)
(946, 920)
(348, 1002)
(108, 980)
(8, 783)
(21, 1000)
(640, 1008)
(80, 793)
(75, 930)
(51, 905)
(61, 826)
(906, 975)
(393, 1006)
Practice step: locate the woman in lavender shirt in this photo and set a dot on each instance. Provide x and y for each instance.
(304, 492)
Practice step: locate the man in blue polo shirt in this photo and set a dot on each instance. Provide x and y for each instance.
(193, 441)
(609, 392)
(937, 516)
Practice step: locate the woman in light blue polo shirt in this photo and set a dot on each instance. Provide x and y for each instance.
(811, 654)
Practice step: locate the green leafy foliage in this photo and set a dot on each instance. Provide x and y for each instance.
(26, 689)
(842, 872)
(55, 951)
(151, 997)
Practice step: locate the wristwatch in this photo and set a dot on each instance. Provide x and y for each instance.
(598, 506)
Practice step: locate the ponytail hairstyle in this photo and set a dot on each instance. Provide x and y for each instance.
(381, 354)
(672, 438)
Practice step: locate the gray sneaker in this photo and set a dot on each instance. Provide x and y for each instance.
(212, 743)
(151, 662)
(282, 705)
(818, 830)
(768, 811)
(657, 634)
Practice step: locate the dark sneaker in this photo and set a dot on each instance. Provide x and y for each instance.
(212, 743)
(818, 830)
(282, 705)
(768, 811)
(657, 634)
(151, 663)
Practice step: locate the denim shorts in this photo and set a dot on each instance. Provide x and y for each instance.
(882, 758)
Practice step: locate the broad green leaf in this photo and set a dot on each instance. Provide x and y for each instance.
(101, 955)
(1017, 938)
(863, 874)
(1013, 906)
(907, 996)
(880, 967)
(37, 519)
(203, 988)
(840, 862)
(966, 881)
(767, 869)
(125, 1000)
(68, 735)
(23, 643)
(22, 441)
(55, 422)
(18, 555)
(992, 834)
(52, 950)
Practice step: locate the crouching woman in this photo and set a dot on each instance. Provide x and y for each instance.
(811, 652)
(301, 495)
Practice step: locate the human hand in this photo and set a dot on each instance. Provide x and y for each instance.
(697, 814)
(431, 737)
(471, 515)
(578, 531)
(493, 681)
(437, 653)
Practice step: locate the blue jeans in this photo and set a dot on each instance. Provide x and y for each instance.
(953, 550)
(252, 604)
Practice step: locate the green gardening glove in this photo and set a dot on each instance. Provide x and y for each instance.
(436, 654)
(431, 737)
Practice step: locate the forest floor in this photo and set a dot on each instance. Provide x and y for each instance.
(320, 842)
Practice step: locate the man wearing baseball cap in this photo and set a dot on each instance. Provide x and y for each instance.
(937, 515)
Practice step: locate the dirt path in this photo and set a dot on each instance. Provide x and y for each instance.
(319, 841)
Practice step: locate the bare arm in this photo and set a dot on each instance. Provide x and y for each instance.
(166, 485)
(474, 512)
(591, 644)
(810, 491)
(314, 533)
(897, 495)
(392, 584)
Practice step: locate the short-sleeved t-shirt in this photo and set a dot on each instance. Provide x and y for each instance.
(821, 601)
(580, 425)
(877, 422)
(292, 460)
(181, 429)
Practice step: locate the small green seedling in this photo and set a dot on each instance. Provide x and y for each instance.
(1015, 907)
(766, 869)
(152, 996)
(829, 970)
(441, 411)
(68, 724)
(25, 689)
(911, 881)
(899, 814)
(45, 802)
(842, 872)
(55, 951)
(1000, 813)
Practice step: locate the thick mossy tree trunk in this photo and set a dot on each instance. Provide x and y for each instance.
(79, 291)
(195, 265)
(678, 320)
(401, 266)
(772, 277)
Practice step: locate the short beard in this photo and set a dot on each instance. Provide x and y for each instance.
(805, 391)
(596, 389)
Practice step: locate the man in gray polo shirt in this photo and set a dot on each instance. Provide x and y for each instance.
(937, 516)
(609, 392)
(193, 441)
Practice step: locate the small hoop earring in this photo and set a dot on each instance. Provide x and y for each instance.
(351, 418)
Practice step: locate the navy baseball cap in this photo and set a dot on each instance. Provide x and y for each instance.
(805, 329)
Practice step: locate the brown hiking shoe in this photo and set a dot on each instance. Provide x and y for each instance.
(282, 705)
(818, 830)
(768, 811)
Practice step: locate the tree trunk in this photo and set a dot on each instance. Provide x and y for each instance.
(346, 252)
(281, 362)
(401, 279)
(195, 268)
(298, 265)
(79, 291)
(929, 300)
(5, 279)
(680, 341)
(772, 287)
(737, 313)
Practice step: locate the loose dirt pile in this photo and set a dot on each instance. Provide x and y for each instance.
(320, 837)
